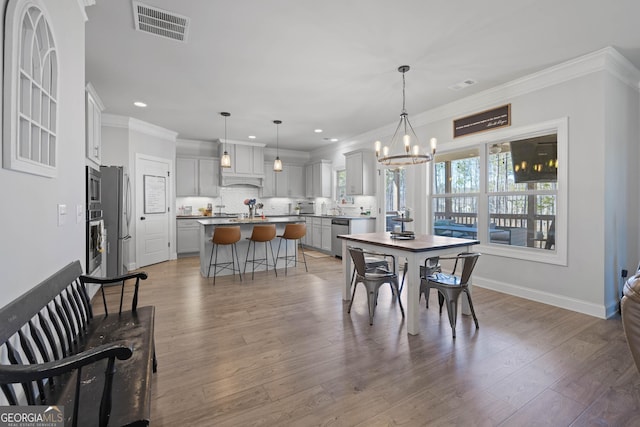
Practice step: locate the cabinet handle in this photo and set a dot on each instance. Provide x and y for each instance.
(142, 218)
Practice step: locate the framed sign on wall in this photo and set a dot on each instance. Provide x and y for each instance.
(155, 194)
(485, 120)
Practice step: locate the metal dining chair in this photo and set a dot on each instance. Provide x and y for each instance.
(450, 286)
(372, 280)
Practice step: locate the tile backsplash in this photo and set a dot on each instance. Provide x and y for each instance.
(232, 198)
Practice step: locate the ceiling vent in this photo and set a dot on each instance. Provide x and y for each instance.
(160, 22)
(463, 84)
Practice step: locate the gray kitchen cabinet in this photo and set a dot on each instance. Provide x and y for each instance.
(287, 183)
(93, 125)
(316, 233)
(269, 183)
(197, 176)
(247, 164)
(318, 179)
(296, 180)
(326, 234)
(361, 173)
(282, 181)
(188, 236)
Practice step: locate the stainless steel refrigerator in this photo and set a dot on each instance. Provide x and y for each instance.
(116, 206)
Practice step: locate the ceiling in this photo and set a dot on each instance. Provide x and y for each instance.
(332, 64)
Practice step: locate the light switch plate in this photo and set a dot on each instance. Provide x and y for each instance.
(79, 213)
(62, 215)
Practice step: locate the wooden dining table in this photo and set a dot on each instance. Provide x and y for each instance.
(415, 251)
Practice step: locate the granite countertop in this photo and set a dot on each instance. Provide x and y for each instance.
(341, 216)
(257, 220)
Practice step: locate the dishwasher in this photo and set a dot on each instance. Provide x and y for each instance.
(338, 226)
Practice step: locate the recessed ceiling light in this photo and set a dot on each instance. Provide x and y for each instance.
(252, 137)
(140, 104)
(318, 131)
(334, 139)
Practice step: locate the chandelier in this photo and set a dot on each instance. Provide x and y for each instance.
(225, 160)
(277, 164)
(404, 153)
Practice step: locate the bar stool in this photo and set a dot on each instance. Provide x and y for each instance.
(225, 235)
(261, 234)
(292, 232)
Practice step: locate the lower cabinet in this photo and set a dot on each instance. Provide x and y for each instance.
(318, 234)
(326, 234)
(188, 236)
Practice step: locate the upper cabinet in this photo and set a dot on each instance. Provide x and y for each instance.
(361, 172)
(93, 125)
(247, 164)
(287, 183)
(318, 179)
(197, 176)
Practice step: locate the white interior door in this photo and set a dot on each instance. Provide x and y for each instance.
(152, 209)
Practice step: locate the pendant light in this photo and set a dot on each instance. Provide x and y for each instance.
(277, 164)
(225, 160)
(406, 154)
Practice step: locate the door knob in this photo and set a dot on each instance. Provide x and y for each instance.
(142, 218)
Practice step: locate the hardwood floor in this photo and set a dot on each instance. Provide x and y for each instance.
(284, 351)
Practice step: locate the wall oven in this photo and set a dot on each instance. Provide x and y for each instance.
(95, 222)
(95, 242)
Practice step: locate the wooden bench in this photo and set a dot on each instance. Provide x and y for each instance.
(55, 351)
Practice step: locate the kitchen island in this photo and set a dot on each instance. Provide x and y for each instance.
(246, 227)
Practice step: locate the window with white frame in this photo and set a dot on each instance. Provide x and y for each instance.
(522, 192)
(508, 191)
(455, 195)
(31, 80)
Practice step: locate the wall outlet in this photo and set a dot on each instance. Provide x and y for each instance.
(62, 215)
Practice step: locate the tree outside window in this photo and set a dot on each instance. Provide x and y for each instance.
(395, 194)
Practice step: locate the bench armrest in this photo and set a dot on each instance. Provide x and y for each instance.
(13, 374)
(118, 279)
(110, 280)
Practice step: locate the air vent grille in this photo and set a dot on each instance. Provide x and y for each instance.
(160, 22)
(463, 84)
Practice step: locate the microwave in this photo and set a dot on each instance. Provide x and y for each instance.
(94, 193)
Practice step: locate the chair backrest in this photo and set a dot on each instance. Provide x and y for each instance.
(469, 260)
(295, 231)
(358, 260)
(226, 235)
(431, 266)
(263, 233)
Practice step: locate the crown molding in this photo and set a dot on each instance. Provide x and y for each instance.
(82, 4)
(607, 60)
(112, 120)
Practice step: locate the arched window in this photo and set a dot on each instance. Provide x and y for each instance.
(30, 90)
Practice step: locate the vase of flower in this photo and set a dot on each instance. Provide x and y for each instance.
(251, 203)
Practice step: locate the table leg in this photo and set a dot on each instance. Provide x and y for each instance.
(412, 284)
(346, 272)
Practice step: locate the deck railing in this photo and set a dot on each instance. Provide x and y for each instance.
(538, 227)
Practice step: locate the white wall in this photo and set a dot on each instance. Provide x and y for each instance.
(621, 110)
(33, 246)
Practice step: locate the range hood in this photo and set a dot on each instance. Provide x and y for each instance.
(247, 164)
(230, 180)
